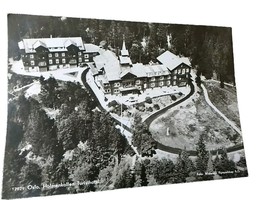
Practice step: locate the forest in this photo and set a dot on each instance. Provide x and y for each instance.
(81, 143)
(209, 48)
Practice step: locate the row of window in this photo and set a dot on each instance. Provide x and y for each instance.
(152, 85)
(137, 82)
(57, 61)
(162, 83)
(50, 55)
(181, 71)
(56, 55)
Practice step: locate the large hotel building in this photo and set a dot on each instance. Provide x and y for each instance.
(115, 75)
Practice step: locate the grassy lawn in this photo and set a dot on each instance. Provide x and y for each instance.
(224, 99)
(187, 122)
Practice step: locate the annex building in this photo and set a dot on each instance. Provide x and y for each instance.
(113, 74)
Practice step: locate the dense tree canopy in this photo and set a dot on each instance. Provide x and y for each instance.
(209, 47)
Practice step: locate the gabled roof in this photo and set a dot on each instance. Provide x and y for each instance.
(69, 42)
(39, 43)
(53, 44)
(110, 62)
(139, 70)
(125, 72)
(171, 61)
(91, 48)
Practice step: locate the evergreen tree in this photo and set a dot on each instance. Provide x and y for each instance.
(142, 138)
(30, 175)
(226, 167)
(202, 155)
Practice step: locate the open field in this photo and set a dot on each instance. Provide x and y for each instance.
(187, 122)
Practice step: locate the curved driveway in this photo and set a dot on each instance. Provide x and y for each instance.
(152, 117)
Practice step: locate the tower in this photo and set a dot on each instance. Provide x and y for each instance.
(125, 60)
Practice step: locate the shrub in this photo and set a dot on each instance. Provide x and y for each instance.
(156, 106)
(124, 107)
(113, 103)
(173, 97)
(150, 109)
(148, 100)
(140, 106)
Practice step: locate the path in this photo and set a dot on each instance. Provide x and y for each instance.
(232, 124)
(212, 80)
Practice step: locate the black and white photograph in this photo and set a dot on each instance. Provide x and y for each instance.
(96, 105)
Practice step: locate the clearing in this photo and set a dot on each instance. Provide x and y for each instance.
(181, 126)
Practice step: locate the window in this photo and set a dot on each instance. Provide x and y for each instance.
(50, 61)
(183, 71)
(80, 59)
(153, 79)
(31, 56)
(137, 82)
(175, 71)
(152, 84)
(161, 83)
(32, 62)
(50, 55)
(79, 53)
(57, 61)
(174, 77)
(145, 86)
(107, 90)
(168, 82)
(86, 55)
(63, 60)
(117, 84)
(116, 90)
(139, 87)
(174, 82)
(168, 77)
(63, 54)
(56, 54)
(161, 78)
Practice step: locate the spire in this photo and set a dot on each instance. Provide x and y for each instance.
(123, 45)
(124, 51)
(124, 57)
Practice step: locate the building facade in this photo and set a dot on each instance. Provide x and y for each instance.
(120, 77)
(44, 54)
(115, 75)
